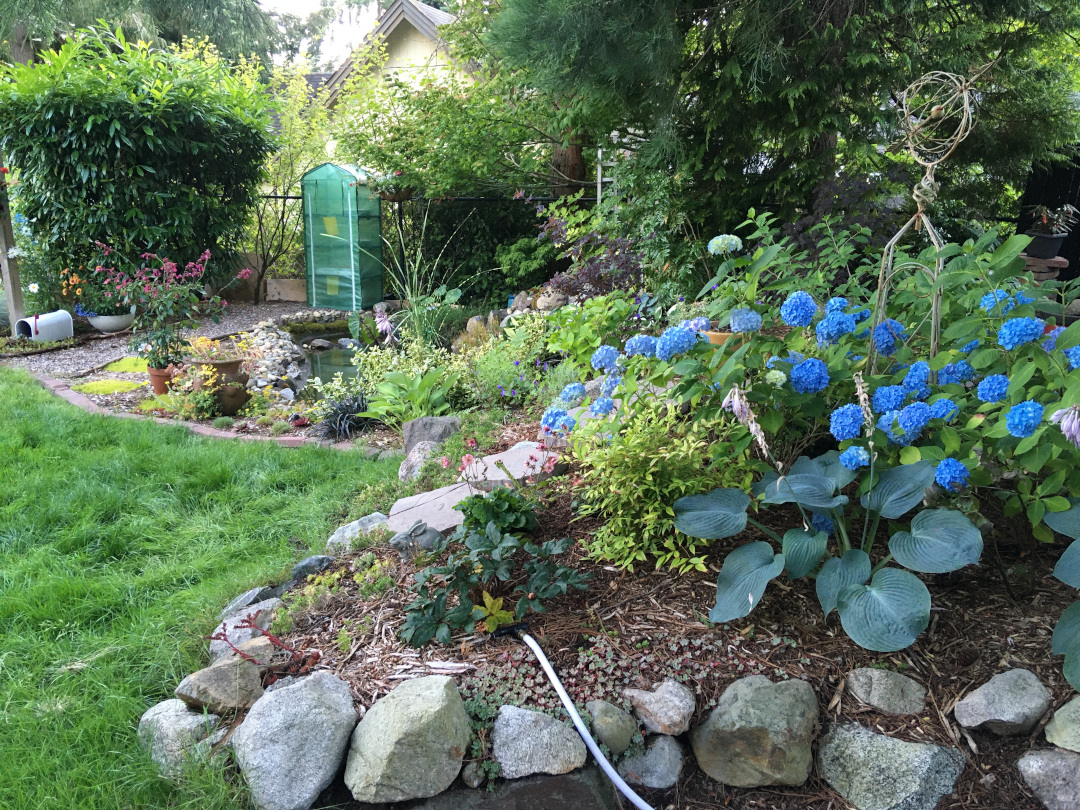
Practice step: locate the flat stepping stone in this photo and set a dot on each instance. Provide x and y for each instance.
(522, 460)
(435, 508)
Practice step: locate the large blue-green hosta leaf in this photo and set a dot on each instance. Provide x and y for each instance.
(743, 577)
(899, 489)
(827, 464)
(888, 614)
(940, 540)
(837, 573)
(1068, 566)
(1066, 641)
(803, 550)
(716, 514)
(813, 492)
(1067, 522)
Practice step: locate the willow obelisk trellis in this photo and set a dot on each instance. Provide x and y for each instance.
(936, 112)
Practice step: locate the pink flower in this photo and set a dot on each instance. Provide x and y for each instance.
(445, 462)
(244, 274)
(224, 303)
(467, 460)
(549, 464)
(470, 443)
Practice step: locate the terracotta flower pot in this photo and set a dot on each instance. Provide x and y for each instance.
(720, 338)
(232, 394)
(397, 195)
(161, 378)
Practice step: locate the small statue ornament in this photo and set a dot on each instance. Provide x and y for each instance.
(417, 537)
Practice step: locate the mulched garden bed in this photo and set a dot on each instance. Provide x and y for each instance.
(633, 629)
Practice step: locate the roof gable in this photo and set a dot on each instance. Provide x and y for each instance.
(424, 18)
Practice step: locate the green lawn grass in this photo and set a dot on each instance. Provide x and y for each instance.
(120, 541)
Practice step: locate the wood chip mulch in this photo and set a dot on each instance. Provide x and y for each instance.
(650, 624)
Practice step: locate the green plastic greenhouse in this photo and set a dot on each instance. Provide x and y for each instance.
(342, 238)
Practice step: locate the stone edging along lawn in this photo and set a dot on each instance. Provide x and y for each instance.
(64, 391)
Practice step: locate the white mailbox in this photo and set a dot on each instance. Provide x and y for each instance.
(50, 326)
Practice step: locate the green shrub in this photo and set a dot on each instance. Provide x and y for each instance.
(223, 423)
(264, 421)
(280, 428)
(401, 398)
(507, 508)
(485, 560)
(133, 146)
(632, 479)
(526, 263)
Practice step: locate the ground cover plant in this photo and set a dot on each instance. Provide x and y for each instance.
(121, 540)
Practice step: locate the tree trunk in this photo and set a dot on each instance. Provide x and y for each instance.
(22, 51)
(567, 167)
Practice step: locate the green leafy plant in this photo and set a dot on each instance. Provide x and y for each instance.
(507, 508)
(479, 561)
(491, 613)
(127, 144)
(634, 467)
(223, 423)
(578, 331)
(280, 428)
(401, 398)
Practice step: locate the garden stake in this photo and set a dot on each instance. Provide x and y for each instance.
(517, 631)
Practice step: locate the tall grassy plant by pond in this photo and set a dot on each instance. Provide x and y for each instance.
(119, 543)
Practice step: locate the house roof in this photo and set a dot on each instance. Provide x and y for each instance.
(424, 18)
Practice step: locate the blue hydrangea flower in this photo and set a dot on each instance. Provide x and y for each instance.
(855, 457)
(821, 522)
(833, 326)
(970, 347)
(993, 388)
(1023, 419)
(886, 334)
(745, 320)
(644, 345)
(913, 418)
(846, 422)
(793, 358)
(887, 398)
(611, 382)
(918, 375)
(724, 243)
(861, 314)
(951, 474)
(602, 406)
(956, 373)
(837, 304)
(992, 299)
(1073, 356)
(557, 420)
(810, 376)
(944, 409)
(675, 340)
(886, 423)
(605, 358)
(1051, 339)
(698, 324)
(1022, 299)
(798, 309)
(572, 391)
(1017, 331)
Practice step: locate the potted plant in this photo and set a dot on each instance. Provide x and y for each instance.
(1049, 228)
(389, 188)
(228, 365)
(103, 296)
(169, 300)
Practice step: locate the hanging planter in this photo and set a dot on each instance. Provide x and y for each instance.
(397, 195)
(112, 323)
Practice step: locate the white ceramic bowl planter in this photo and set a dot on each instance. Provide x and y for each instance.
(47, 327)
(112, 323)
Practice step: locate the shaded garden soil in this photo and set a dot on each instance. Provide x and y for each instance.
(635, 628)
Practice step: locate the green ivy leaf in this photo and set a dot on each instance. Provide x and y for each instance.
(888, 614)
(940, 540)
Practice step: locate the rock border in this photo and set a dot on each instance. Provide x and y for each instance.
(62, 390)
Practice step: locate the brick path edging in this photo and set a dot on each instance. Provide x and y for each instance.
(64, 391)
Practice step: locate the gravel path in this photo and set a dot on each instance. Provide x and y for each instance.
(81, 360)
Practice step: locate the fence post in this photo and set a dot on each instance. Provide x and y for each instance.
(9, 266)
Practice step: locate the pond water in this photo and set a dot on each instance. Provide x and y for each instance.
(326, 364)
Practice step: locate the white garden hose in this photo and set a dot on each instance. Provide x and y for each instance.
(568, 704)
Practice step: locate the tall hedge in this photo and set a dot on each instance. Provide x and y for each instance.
(134, 146)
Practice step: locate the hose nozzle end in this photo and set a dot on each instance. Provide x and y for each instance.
(513, 630)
